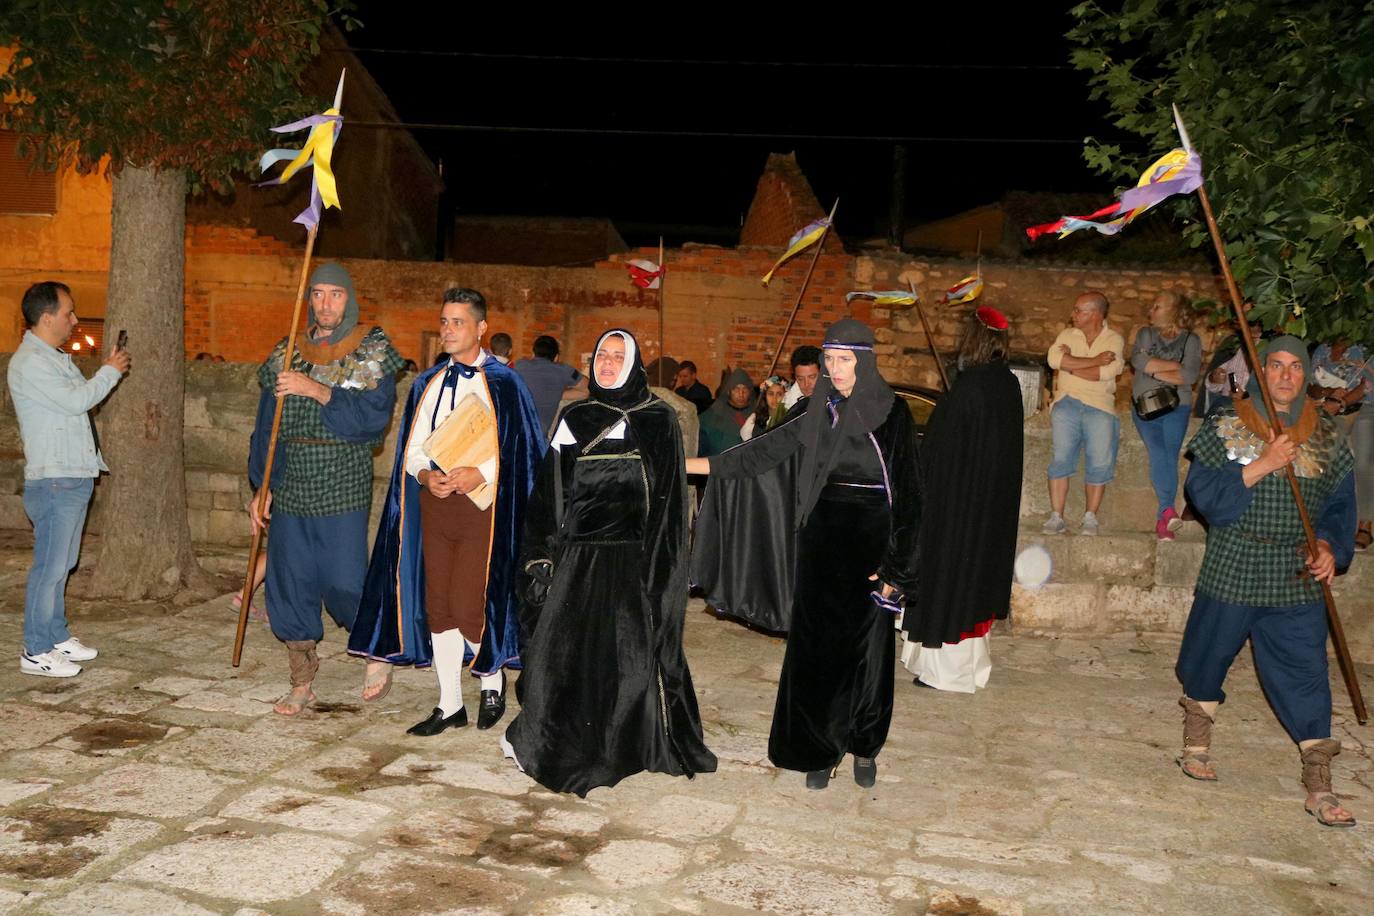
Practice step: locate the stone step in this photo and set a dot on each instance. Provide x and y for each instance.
(1129, 580)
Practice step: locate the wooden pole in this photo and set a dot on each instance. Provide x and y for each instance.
(1347, 665)
(662, 281)
(820, 243)
(265, 487)
(930, 339)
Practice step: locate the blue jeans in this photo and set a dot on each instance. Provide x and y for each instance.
(1163, 438)
(57, 507)
(1077, 428)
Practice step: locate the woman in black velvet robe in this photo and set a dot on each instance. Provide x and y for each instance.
(858, 501)
(605, 691)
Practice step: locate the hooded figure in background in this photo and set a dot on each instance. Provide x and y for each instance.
(855, 509)
(605, 692)
(723, 420)
(339, 389)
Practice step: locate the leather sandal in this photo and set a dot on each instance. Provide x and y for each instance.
(1321, 802)
(373, 680)
(1194, 760)
(1197, 765)
(292, 705)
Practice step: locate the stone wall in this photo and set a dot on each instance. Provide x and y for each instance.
(1036, 299)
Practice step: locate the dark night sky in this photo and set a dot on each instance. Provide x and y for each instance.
(983, 76)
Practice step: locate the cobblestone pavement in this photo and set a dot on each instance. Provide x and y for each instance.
(160, 781)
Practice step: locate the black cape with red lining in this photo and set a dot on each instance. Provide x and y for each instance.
(971, 464)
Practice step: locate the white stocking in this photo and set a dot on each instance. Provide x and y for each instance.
(448, 666)
(489, 681)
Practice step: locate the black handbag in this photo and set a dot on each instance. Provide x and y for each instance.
(1158, 401)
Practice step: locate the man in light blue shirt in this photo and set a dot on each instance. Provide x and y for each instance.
(52, 399)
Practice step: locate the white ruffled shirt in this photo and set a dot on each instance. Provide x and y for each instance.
(423, 425)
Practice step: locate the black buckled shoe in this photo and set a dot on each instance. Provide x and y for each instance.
(492, 706)
(437, 723)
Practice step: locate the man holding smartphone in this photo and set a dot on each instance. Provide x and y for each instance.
(52, 400)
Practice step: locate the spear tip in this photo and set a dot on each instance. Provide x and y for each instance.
(1182, 131)
(338, 93)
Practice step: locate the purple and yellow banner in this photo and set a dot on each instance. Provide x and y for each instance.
(317, 152)
(966, 290)
(883, 297)
(803, 239)
(1178, 171)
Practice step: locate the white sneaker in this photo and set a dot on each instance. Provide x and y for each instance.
(48, 664)
(75, 650)
(1090, 526)
(1054, 525)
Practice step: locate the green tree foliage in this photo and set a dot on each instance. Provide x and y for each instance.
(159, 84)
(1276, 97)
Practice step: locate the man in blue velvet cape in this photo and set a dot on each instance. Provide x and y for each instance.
(440, 609)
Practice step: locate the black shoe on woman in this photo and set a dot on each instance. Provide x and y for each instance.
(818, 779)
(865, 771)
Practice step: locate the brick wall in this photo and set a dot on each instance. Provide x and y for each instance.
(240, 288)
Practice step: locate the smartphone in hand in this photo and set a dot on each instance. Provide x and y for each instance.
(122, 342)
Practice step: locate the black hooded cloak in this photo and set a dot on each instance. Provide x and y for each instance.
(606, 691)
(856, 505)
(971, 467)
(721, 422)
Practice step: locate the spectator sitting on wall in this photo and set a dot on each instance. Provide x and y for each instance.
(501, 347)
(688, 387)
(721, 424)
(548, 380)
(806, 369)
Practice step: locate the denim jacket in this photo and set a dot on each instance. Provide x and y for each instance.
(51, 398)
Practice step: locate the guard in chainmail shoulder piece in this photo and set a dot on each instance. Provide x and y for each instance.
(339, 392)
(1258, 580)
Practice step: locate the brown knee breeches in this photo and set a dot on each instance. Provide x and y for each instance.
(457, 543)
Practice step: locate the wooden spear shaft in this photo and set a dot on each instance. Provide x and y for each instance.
(265, 487)
(1347, 665)
(820, 244)
(662, 281)
(930, 339)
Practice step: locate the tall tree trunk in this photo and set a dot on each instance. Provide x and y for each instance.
(145, 544)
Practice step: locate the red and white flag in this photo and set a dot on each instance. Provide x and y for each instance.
(645, 274)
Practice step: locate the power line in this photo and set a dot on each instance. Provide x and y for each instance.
(702, 134)
(701, 62)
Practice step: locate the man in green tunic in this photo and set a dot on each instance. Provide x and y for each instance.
(1258, 580)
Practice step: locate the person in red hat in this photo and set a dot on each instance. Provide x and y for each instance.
(971, 466)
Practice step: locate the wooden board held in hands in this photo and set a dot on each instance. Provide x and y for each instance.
(465, 439)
